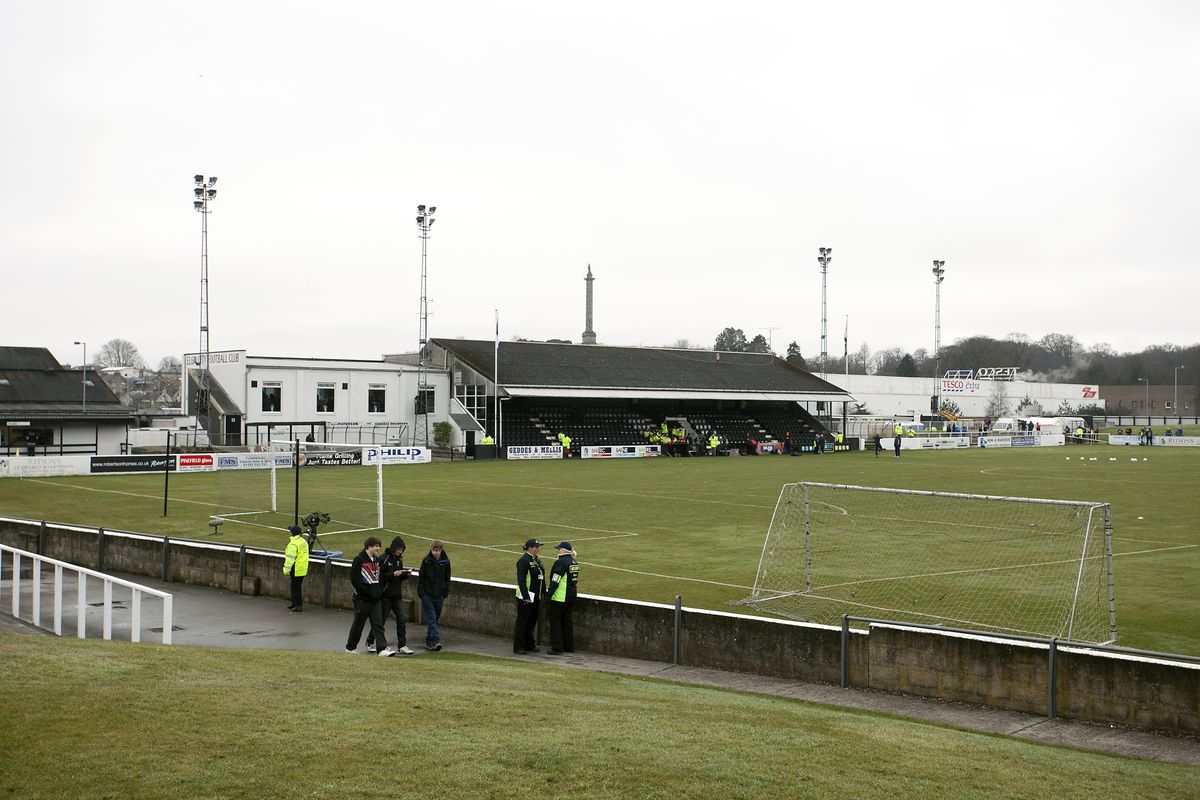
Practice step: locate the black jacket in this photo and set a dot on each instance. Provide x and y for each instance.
(434, 579)
(531, 571)
(364, 577)
(389, 564)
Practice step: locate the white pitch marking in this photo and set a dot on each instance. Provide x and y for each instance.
(609, 492)
(618, 534)
(504, 549)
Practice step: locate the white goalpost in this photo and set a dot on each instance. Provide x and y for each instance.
(269, 489)
(1005, 564)
(336, 479)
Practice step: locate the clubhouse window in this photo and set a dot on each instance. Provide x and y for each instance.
(376, 394)
(325, 398)
(272, 397)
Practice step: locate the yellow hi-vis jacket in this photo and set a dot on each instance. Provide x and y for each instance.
(296, 555)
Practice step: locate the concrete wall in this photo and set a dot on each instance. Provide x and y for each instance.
(1090, 685)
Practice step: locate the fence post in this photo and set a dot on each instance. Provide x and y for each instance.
(42, 538)
(166, 558)
(241, 567)
(100, 550)
(678, 628)
(845, 651)
(1051, 676)
(328, 580)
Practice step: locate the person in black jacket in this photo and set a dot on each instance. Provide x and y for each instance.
(531, 581)
(364, 578)
(392, 574)
(433, 587)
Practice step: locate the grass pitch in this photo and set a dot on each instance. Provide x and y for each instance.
(652, 529)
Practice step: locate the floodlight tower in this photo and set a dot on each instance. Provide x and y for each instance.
(425, 221)
(938, 276)
(826, 255)
(203, 193)
(85, 376)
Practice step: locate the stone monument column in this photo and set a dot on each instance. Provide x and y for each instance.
(589, 335)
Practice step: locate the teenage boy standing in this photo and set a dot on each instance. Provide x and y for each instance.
(433, 587)
(364, 579)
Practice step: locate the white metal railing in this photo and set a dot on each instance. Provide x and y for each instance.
(60, 567)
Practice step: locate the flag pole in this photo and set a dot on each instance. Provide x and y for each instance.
(496, 384)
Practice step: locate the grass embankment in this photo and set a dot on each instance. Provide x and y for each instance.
(109, 720)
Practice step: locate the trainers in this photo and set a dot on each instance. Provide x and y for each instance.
(351, 651)
(370, 647)
(437, 646)
(387, 652)
(405, 651)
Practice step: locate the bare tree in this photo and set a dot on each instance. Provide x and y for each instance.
(119, 353)
(997, 405)
(886, 361)
(166, 382)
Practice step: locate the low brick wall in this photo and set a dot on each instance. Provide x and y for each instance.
(1139, 692)
(1089, 685)
(949, 666)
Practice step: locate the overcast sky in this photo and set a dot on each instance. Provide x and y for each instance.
(696, 155)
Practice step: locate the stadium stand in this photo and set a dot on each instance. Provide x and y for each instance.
(601, 395)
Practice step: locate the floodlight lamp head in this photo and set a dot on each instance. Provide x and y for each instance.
(421, 208)
(212, 193)
(421, 220)
(199, 179)
(212, 181)
(198, 204)
(199, 191)
(432, 209)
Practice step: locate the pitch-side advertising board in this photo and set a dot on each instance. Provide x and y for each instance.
(1022, 440)
(535, 452)
(397, 455)
(623, 451)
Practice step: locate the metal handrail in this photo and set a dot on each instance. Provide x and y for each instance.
(83, 574)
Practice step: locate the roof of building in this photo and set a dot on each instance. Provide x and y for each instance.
(552, 369)
(34, 385)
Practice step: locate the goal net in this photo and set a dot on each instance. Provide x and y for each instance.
(268, 489)
(1002, 564)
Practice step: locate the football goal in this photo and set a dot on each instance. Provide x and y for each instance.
(294, 479)
(1003, 564)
